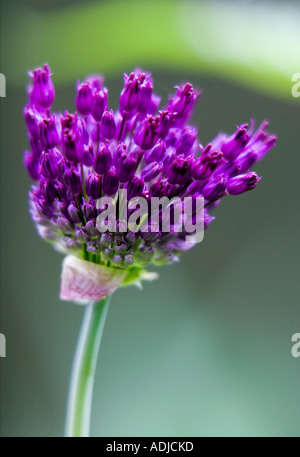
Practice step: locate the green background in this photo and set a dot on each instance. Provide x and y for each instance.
(206, 349)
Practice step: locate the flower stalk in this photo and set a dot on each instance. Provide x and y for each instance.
(84, 365)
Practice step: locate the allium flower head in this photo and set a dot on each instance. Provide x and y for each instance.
(78, 158)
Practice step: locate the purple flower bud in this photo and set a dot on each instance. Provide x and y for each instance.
(96, 81)
(64, 224)
(126, 166)
(161, 188)
(145, 135)
(89, 209)
(234, 144)
(124, 124)
(106, 240)
(82, 236)
(36, 146)
(117, 260)
(156, 154)
(92, 186)
(261, 141)
(228, 169)
(242, 183)
(131, 238)
(156, 188)
(63, 165)
(44, 208)
(120, 152)
(74, 213)
(194, 189)
(31, 164)
(70, 243)
(88, 155)
(145, 97)
(121, 248)
(99, 104)
(122, 262)
(245, 160)
(151, 171)
(172, 137)
(49, 164)
(134, 187)
(91, 228)
(49, 189)
(71, 148)
(128, 260)
(211, 157)
(265, 147)
(182, 105)
(165, 121)
(108, 125)
(214, 188)
(62, 207)
(110, 182)
(61, 189)
(82, 131)
(69, 121)
(75, 127)
(180, 171)
(84, 98)
(48, 133)
(186, 141)
(202, 171)
(73, 181)
(138, 154)
(32, 119)
(205, 165)
(168, 159)
(103, 160)
(93, 247)
(42, 92)
(130, 94)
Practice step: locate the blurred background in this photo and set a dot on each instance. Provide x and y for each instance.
(206, 349)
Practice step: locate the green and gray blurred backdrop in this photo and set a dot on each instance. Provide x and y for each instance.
(206, 349)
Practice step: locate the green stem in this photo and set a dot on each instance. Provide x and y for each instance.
(82, 380)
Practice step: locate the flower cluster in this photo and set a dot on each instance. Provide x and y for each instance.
(78, 158)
